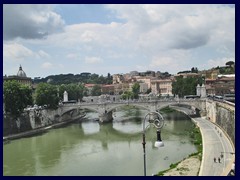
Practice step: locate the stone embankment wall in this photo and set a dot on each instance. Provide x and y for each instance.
(34, 119)
(222, 114)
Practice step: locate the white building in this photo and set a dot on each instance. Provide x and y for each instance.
(163, 86)
(143, 87)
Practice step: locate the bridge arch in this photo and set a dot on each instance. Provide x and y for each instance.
(177, 104)
(199, 106)
(78, 108)
(89, 108)
(122, 105)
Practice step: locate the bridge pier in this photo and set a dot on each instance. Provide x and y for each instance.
(105, 117)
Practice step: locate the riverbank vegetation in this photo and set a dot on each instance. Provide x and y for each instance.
(16, 97)
(167, 110)
(47, 94)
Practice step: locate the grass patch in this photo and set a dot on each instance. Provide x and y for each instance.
(172, 166)
(197, 139)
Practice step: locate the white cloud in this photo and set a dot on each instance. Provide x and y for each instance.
(156, 36)
(18, 52)
(47, 65)
(164, 64)
(15, 51)
(88, 36)
(43, 55)
(161, 61)
(72, 56)
(93, 60)
(61, 66)
(150, 29)
(30, 21)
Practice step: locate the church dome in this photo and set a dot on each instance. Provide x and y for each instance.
(21, 73)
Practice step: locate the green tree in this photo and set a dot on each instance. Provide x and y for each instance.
(109, 79)
(96, 90)
(127, 95)
(194, 70)
(75, 91)
(135, 90)
(47, 94)
(230, 63)
(71, 78)
(101, 80)
(16, 97)
(185, 86)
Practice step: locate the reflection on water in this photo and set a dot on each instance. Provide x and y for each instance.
(89, 148)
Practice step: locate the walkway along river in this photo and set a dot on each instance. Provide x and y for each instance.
(88, 148)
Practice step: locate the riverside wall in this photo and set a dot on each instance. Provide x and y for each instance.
(222, 114)
(34, 119)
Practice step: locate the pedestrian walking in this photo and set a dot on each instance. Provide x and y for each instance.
(221, 155)
(219, 159)
(214, 159)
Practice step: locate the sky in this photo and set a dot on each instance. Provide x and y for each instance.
(116, 38)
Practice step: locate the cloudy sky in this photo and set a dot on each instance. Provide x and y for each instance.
(61, 39)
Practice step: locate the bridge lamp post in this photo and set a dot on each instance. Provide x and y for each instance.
(155, 119)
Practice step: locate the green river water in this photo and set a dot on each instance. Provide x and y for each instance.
(88, 148)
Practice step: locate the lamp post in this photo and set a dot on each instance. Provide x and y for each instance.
(155, 119)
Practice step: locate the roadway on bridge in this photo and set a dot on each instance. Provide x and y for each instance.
(215, 143)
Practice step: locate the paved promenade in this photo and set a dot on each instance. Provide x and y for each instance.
(215, 143)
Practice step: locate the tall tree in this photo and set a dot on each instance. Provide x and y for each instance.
(75, 91)
(185, 86)
(96, 90)
(135, 90)
(109, 79)
(127, 95)
(230, 63)
(16, 97)
(194, 70)
(47, 94)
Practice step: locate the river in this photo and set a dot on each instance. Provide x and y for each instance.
(91, 149)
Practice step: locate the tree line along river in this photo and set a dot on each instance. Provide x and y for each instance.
(87, 148)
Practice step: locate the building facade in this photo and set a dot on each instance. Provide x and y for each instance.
(21, 77)
(220, 86)
(161, 86)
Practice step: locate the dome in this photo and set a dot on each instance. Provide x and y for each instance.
(21, 73)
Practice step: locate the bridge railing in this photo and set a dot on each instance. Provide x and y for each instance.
(132, 101)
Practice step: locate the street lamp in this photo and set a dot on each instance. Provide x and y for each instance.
(155, 119)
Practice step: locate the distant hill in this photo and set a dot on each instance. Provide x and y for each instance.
(78, 78)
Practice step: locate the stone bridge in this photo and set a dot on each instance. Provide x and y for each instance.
(104, 109)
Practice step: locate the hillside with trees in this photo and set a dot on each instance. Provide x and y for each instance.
(228, 69)
(78, 78)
